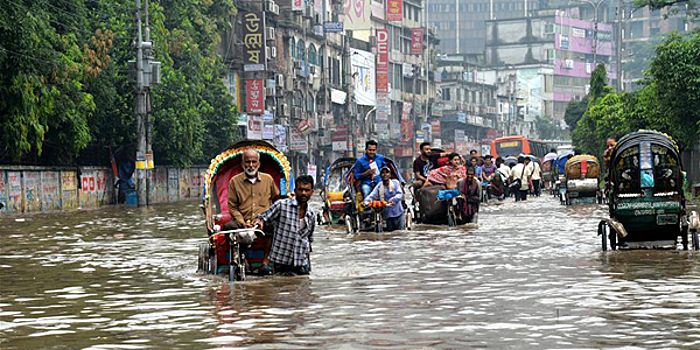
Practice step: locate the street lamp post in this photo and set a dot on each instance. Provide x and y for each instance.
(595, 6)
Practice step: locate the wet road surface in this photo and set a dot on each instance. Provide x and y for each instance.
(530, 276)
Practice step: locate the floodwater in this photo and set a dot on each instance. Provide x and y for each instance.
(530, 276)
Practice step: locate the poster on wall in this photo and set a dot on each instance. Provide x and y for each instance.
(394, 10)
(364, 77)
(268, 132)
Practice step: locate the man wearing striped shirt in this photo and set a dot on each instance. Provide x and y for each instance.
(294, 229)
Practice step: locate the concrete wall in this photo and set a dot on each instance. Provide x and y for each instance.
(26, 189)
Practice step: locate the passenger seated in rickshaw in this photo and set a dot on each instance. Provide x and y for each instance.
(471, 195)
(448, 175)
(251, 193)
(425, 162)
(389, 191)
(367, 168)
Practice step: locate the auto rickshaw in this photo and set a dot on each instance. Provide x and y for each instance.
(645, 195)
(336, 191)
(233, 251)
(582, 180)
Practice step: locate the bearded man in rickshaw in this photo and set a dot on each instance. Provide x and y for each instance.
(251, 193)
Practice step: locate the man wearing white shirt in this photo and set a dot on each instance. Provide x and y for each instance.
(520, 179)
(534, 173)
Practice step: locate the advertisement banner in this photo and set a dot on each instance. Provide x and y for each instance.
(383, 107)
(364, 73)
(311, 170)
(382, 61)
(417, 41)
(254, 41)
(436, 127)
(357, 14)
(297, 142)
(268, 132)
(406, 111)
(394, 10)
(297, 5)
(281, 137)
(255, 125)
(255, 96)
(406, 130)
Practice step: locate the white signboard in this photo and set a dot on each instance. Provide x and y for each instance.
(357, 14)
(340, 146)
(364, 77)
(297, 142)
(338, 96)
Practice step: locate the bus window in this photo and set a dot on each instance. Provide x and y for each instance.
(509, 148)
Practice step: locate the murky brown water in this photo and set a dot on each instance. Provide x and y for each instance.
(531, 276)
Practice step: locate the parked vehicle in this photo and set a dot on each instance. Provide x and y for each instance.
(645, 199)
(224, 250)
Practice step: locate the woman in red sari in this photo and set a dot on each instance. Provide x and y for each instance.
(448, 175)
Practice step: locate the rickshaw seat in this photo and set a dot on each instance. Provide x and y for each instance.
(224, 175)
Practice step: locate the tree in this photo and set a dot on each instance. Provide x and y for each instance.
(547, 128)
(574, 112)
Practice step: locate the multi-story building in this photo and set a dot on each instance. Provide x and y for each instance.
(461, 24)
(643, 25)
(321, 98)
(552, 56)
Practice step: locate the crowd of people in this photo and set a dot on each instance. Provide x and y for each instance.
(288, 224)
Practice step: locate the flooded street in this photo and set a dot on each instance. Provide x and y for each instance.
(530, 276)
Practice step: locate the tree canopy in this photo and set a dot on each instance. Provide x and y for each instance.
(65, 93)
(669, 102)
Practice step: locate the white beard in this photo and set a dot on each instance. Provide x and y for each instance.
(250, 172)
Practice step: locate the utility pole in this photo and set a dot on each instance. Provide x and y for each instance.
(349, 88)
(595, 6)
(147, 74)
(618, 70)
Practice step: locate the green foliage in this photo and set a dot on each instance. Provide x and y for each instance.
(669, 102)
(574, 112)
(547, 128)
(65, 95)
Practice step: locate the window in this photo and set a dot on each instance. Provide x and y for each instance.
(310, 103)
(292, 48)
(446, 94)
(312, 55)
(301, 49)
(298, 99)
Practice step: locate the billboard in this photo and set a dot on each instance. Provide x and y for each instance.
(254, 41)
(394, 10)
(255, 96)
(364, 77)
(382, 61)
(357, 14)
(417, 41)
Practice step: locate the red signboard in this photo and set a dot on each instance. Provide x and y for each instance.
(417, 41)
(406, 130)
(394, 10)
(382, 60)
(255, 96)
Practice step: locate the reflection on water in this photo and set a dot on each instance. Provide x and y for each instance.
(529, 276)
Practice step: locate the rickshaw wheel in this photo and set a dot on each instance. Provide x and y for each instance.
(213, 264)
(202, 258)
(409, 220)
(348, 224)
(451, 222)
(684, 237)
(696, 244)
